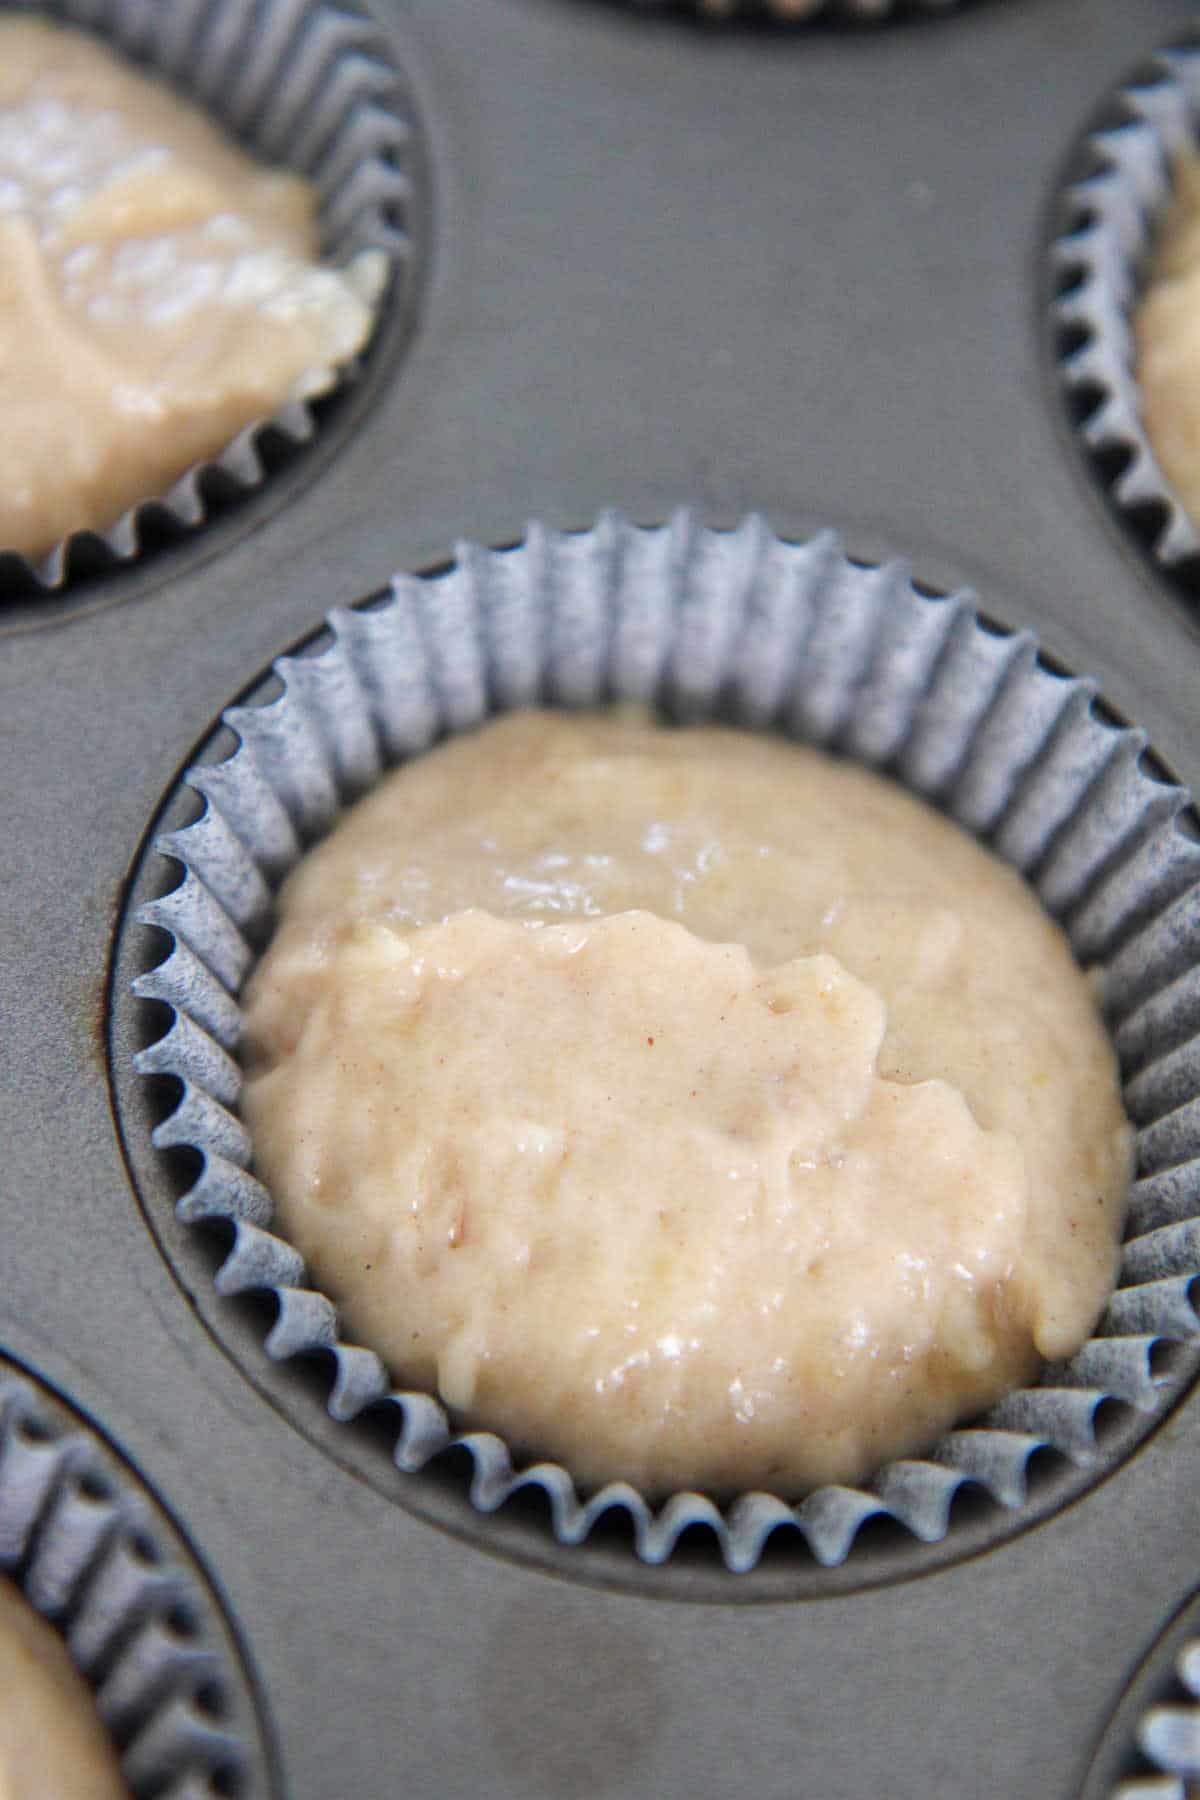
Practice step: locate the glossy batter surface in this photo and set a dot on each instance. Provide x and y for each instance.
(684, 1105)
(1167, 334)
(158, 289)
(52, 1745)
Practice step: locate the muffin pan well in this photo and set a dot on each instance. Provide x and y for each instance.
(1113, 203)
(747, 272)
(765, 635)
(95, 1555)
(317, 89)
(1151, 1749)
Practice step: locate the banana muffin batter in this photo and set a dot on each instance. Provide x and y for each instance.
(158, 289)
(52, 1744)
(684, 1105)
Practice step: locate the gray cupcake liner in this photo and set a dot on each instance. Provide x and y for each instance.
(95, 1556)
(1150, 1747)
(307, 84)
(789, 637)
(1110, 216)
(1168, 1735)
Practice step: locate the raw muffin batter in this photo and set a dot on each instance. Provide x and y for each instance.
(158, 289)
(52, 1745)
(684, 1105)
(1167, 334)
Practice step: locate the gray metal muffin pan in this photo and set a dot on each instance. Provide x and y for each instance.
(751, 271)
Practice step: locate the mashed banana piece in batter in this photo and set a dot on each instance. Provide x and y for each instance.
(52, 1744)
(159, 290)
(1167, 336)
(684, 1105)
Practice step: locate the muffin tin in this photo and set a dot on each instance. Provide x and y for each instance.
(749, 271)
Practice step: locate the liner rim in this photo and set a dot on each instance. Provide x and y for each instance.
(1152, 1304)
(244, 465)
(93, 1552)
(1110, 218)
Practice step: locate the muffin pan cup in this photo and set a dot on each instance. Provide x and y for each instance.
(1150, 1749)
(1169, 1733)
(743, 627)
(94, 1554)
(310, 85)
(1110, 217)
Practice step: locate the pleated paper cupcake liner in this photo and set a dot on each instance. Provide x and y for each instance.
(1150, 1747)
(765, 634)
(1168, 1735)
(1110, 217)
(309, 85)
(95, 1556)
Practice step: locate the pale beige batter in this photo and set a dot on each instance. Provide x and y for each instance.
(684, 1105)
(158, 289)
(52, 1745)
(1167, 335)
